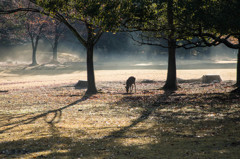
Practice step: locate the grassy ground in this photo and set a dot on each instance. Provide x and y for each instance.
(44, 116)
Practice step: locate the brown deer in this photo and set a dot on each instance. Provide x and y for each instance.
(129, 84)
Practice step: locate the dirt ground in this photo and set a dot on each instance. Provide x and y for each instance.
(42, 115)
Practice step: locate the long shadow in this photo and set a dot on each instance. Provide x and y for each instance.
(144, 115)
(189, 146)
(83, 147)
(172, 143)
(170, 99)
(55, 119)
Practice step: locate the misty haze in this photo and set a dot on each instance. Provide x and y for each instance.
(119, 79)
(125, 54)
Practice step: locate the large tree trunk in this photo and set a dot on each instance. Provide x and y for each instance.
(90, 70)
(238, 69)
(171, 82)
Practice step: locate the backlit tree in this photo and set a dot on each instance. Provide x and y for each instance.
(97, 16)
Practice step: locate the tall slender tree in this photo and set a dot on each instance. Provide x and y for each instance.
(54, 32)
(35, 25)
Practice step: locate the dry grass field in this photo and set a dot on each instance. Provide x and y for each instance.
(42, 115)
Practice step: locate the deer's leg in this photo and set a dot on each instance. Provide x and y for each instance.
(135, 87)
(130, 89)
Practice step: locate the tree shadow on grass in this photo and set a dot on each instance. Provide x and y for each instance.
(30, 118)
(148, 110)
(196, 120)
(178, 128)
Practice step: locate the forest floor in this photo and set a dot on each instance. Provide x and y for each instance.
(42, 115)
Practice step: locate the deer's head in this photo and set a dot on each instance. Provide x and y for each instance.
(127, 88)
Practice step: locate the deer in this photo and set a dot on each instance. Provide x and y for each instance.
(129, 84)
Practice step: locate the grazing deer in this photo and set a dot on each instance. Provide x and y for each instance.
(129, 84)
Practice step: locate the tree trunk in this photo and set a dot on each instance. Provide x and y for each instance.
(34, 47)
(34, 56)
(90, 70)
(55, 51)
(55, 45)
(238, 69)
(171, 82)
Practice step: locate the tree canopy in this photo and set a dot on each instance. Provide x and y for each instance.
(97, 16)
(171, 24)
(218, 23)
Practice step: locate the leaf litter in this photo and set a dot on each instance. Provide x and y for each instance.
(56, 120)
